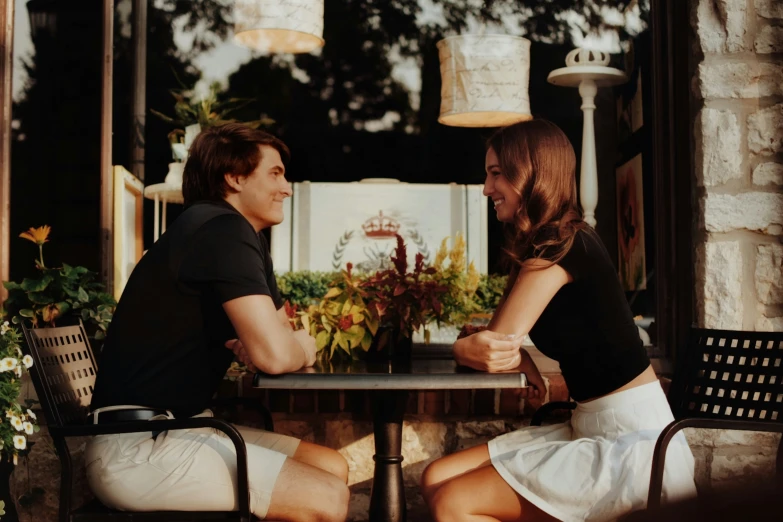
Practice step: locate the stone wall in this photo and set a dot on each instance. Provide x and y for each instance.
(738, 152)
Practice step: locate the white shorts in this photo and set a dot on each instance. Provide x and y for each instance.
(184, 470)
(597, 466)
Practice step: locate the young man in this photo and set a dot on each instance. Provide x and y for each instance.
(202, 294)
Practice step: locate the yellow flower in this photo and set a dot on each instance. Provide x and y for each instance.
(37, 235)
(20, 442)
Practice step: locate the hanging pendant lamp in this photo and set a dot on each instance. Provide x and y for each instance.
(484, 80)
(279, 26)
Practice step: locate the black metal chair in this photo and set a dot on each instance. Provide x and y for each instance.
(728, 380)
(63, 374)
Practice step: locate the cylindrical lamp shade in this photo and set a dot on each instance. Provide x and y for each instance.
(484, 80)
(279, 26)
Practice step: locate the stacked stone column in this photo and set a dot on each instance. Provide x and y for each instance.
(738, 160)
(738, 145)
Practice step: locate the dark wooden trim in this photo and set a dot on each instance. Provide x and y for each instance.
(139, 83)
(673, 175)
(6, 75)
(107, 173)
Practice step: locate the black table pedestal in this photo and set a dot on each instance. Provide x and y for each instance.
(387, 500)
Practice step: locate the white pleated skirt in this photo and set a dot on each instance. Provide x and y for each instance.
(596, 467)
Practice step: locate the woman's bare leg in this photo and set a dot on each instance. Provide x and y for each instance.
(451, 466)
(482, 495)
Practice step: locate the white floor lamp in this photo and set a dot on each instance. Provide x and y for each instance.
(587, 70)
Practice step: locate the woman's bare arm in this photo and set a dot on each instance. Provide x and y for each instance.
(529, 296)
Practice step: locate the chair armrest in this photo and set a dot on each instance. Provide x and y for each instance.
(545, 410)
(668, 433)
(172, 425)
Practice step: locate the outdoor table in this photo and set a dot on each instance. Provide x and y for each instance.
(431, 368)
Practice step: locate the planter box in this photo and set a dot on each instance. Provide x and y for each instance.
(330, 224)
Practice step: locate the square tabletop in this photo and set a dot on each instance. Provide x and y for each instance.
(431, 367)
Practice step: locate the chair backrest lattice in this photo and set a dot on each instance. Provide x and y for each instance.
(63, 372)
(731, 375)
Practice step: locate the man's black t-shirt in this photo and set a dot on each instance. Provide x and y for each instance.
(165, 345)
(588, 326)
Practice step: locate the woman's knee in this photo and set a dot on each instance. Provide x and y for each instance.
(445, 505)
(431, 478)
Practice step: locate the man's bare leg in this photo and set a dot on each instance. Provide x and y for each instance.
(323, 458)
(304, 493)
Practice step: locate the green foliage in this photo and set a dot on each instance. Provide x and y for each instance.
(68, 291)
(208, 111)
(459, 301)
(16, 422)
(304, 288)
(489, 291)
(341, 319)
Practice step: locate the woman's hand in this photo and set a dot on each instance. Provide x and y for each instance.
(488, 351)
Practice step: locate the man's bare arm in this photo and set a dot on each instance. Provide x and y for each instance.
(270, 345)
(284, 318)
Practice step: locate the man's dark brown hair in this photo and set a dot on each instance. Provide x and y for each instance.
(231, 148)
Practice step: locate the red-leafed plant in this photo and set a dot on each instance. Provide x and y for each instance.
(403, 300)
(361, 310)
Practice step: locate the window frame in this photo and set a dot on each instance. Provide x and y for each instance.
(672, 167)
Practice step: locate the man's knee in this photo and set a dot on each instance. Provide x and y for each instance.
(336, 504)
(337, 465)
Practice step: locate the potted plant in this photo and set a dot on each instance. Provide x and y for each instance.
(58, 292)
(191, 114)
(377, 313)
(17, 422)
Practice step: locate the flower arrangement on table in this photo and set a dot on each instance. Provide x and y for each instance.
(16, 421)
(364, 310)
(58, 292)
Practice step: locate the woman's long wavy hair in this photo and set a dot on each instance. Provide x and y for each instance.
(537, 159)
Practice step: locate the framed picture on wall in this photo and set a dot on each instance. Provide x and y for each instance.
(630, 225)
(128, 226)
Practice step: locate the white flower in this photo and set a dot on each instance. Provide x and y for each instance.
(20, 442)
(17, 423)
(8, 364)
(28, 428)
(27, 360)
(31, 414)
(18, 371)
(4, 328)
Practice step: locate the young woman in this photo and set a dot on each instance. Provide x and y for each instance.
(564, 291)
